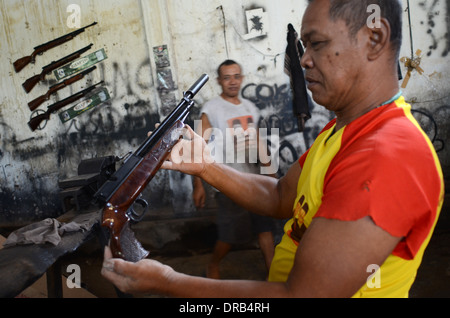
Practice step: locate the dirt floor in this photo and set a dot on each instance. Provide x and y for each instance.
(433, 278)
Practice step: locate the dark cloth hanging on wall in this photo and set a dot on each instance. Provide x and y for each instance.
(301, 100)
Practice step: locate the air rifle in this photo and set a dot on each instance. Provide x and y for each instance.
(118, 194)
(32, 81)
(37, 120)
(40, 49)
(35, 103)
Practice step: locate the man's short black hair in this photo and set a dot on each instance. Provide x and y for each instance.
(226, 63)
(355, 15)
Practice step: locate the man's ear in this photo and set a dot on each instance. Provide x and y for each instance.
(379, 39)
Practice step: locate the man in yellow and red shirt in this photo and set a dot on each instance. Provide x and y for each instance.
(369, 169)
(363, 200)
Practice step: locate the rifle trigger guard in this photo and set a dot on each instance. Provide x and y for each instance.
(133, 214)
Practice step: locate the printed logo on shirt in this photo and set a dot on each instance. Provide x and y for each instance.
(298, 227)
(244, 134)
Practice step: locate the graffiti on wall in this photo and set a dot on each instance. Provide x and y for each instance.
(125, 121)
(440, 42)
(274, 102)
(275, 105)
(115, 127)
(438, 134)
(109, 129)
(120, 124)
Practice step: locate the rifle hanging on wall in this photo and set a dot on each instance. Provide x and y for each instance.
(32, 81)
(35, 103)
(37, 120)
(40, 49)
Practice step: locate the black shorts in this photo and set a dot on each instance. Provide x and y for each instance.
(236, 225)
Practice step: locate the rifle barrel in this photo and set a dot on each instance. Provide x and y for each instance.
(57, 106)
(178, 113)
(66, 37)
(69, 58)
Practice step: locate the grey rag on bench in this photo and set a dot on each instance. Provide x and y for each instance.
(46, 231)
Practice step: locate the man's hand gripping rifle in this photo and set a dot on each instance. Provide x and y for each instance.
(118, 194)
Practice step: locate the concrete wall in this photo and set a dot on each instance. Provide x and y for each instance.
(198, 36)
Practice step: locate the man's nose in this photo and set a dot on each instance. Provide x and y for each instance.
(306, 60)
(233, 80)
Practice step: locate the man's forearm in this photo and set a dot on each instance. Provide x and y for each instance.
(197, 181)
(181, 285)
(260, 194)
(151, 277)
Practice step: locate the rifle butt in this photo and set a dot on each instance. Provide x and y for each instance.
(21, 63)
(36, 121)
(35, 103)
(132, 248)
(30, 83)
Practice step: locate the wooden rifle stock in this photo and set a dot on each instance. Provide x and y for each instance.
(115, 216)
(24, 61)
(35, 103)
(118, 194)
(39, 50)
(37, 120)
(32, 81)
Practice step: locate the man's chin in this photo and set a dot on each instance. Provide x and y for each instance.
(320, 99)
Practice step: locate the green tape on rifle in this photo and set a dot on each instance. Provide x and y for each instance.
(80, 64)
(98, 98)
